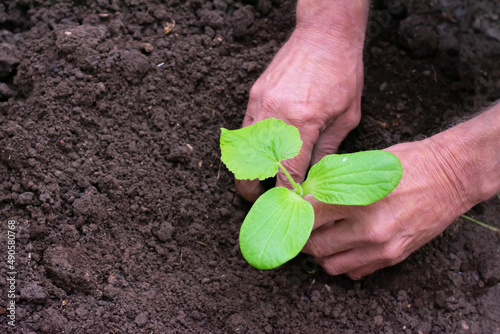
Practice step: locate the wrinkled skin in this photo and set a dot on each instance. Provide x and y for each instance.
(315, 83)
(357, 240)
(443, 177)
(315, 87)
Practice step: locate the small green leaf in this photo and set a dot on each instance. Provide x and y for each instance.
(276, 228)
(254, 152)
(354, 179)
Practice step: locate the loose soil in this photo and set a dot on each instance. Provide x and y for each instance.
(127, 222)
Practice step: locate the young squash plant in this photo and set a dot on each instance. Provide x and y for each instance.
(280, 222)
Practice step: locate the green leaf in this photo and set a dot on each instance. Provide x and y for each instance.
(276, 228)
(354, 179)
(254, 152)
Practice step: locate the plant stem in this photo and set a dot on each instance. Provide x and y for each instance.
(296, 186)
(489, 227)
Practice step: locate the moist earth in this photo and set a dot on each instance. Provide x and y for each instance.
(126, 220)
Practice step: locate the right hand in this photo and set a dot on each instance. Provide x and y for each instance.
(314, 83)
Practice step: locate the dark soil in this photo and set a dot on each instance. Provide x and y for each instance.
(128, 223)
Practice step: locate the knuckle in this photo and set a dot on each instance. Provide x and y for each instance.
(255, 93)
(249, 119)
(344, 97)
(295, 108)
(377, 234)
(269, 103)
(309, 117)
(400, 257)
(353, 119)
(316, 249)
(391, 253)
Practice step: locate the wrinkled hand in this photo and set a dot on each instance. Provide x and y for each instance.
(357, 240)
(315, 85)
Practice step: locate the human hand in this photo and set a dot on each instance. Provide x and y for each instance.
(358, 240)
(314, 83)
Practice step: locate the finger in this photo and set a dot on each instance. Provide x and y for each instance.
(298, 166)
(332, 238)
(249, 189)
(379, 264)
(248, 120)
(255, 112)
(326, 213)
(350, 261)
(364, 271)
(330, 139)
(361, 261)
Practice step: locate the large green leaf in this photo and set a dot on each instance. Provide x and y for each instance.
(276, 228)
(254, 152)
(354, 179)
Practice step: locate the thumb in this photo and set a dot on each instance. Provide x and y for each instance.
(330, 139)
(328, 143)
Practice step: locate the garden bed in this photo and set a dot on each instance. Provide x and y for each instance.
(126, 220)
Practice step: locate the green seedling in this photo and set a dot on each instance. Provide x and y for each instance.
(480, 223)
(281, 220)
